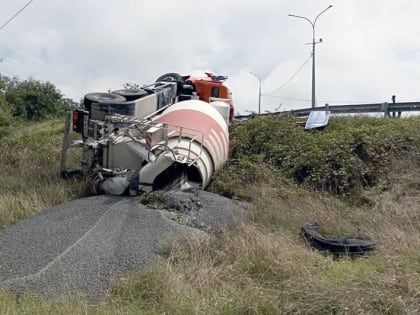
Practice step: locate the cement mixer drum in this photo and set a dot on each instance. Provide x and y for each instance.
(198, 131)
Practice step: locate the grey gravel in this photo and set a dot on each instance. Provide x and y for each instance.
(201, 209)
(84, 246)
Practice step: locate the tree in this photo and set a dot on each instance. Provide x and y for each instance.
(32, 99)
(5, 84)
(70, 104)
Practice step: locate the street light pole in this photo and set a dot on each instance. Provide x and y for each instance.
(259, 92)
(313, 48)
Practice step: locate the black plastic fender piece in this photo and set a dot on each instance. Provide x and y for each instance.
(337, 246)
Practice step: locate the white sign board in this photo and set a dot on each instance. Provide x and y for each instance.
(317, 119)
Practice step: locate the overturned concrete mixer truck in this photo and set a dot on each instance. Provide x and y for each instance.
(172, 134)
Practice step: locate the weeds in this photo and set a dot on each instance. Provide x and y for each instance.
(348, 156)
(30, 182)
(363, 179)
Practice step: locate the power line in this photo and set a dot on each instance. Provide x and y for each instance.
(16, 14)
(33, 64)
(291, 78)
(37, 70)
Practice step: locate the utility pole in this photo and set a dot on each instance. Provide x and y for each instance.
(259, 92)
(313, 100)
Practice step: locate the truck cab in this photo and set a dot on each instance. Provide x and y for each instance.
(207, 89)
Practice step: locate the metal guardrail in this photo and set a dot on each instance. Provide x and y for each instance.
(389, 109)
(393, 110)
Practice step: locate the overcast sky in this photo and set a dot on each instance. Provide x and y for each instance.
(370, 49)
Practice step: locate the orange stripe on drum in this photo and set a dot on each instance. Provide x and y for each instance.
(196, 120)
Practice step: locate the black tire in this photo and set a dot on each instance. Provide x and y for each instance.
(131, 94)
(101, 97)
(338, 247)
(170, 77)
(173, 77)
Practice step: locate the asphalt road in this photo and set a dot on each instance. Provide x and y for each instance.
(84, 246)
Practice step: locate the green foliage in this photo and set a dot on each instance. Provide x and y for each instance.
(348, 155)
(31, 99)
(232, 180)
(5, 121)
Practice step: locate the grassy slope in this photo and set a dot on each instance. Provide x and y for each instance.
(29, 168)
(262, 266)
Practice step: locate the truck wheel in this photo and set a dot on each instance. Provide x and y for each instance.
(170, 77)
(131, 94)
(100, 97)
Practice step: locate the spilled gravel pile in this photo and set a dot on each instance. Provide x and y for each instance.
(84, 246)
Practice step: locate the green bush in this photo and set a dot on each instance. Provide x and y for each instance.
(349, 154)
(31, 99)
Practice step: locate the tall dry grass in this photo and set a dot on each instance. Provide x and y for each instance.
(262, 266)
(29, 172)
(259, 266)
